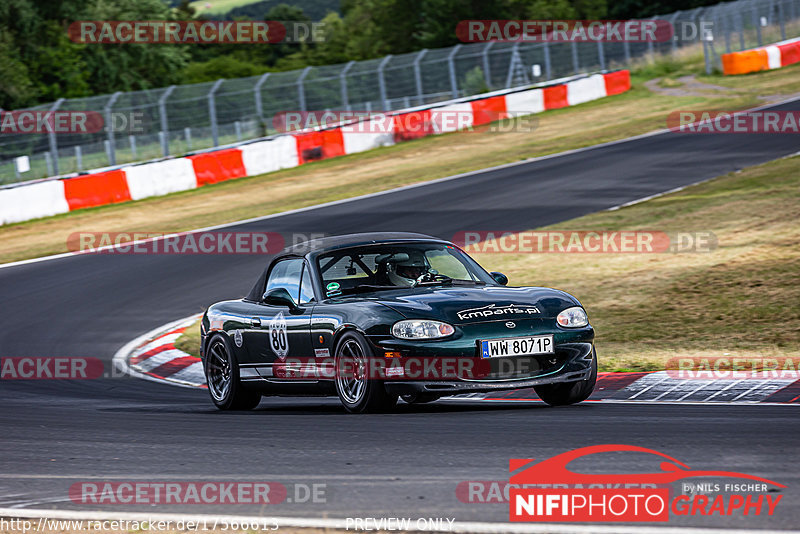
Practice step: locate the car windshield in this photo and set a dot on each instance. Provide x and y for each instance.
(383, 267)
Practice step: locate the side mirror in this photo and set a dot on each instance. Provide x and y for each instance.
(279, 297)
(500, 278)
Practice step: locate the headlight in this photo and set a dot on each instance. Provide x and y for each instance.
(421, 329)
(572, 317)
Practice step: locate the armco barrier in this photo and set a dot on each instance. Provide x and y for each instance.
(586, 90)
(160, 178)
(412, 125)
(218, 166)
(32, 201)
(269, 156)
(617, 82)
(96, 189)
(525, 102)
(769, 57)
(134, 182)
(377, 132)
(555, 97)
(489, 110)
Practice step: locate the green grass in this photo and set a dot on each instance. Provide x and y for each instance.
(189, 341)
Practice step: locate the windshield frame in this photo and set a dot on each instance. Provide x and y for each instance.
(481, 275)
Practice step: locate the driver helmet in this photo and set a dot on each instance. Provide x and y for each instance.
(405, 272)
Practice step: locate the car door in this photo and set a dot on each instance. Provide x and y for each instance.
(278, 333)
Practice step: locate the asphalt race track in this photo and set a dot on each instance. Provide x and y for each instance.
(405, 464)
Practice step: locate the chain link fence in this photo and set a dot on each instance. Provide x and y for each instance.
(735, 26)
(183, 118)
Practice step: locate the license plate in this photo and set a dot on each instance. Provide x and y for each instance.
(516, 346)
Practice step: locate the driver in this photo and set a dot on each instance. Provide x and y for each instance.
(404, 273)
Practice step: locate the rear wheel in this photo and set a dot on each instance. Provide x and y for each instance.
(357, 390)
(569, 392)
(222, 377)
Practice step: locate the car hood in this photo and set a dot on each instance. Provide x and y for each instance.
(459, 305)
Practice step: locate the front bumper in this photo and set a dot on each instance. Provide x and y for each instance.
(455, 387)
(573, 362)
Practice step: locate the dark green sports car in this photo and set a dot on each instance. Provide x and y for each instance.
(373, 317)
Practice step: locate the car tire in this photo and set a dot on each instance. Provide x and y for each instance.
(420, 398)
(222, 377)
(569, 392)
(357, 392)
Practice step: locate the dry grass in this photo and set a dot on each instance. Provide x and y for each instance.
(635, 112)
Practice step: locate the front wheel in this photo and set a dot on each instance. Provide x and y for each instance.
(222, 377)
(358, 391)
(569, 392)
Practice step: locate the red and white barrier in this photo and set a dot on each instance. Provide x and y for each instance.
(586, 90)
(269, 156)
(768, 57)
(32, 201)
(160, 178)
(134, 182)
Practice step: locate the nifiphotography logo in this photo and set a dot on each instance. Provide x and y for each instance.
(549, 491)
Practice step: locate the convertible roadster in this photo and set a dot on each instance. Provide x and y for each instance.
(374, 317)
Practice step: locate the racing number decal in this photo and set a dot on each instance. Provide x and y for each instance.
(278, 340)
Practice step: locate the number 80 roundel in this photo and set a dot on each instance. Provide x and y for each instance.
(278, 340)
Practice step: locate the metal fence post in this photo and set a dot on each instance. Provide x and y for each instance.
(162, 113)
(110, 148)
(301, 90)
(212, 111)
(724, 28)
(739, 22)
(575, 64)
(674, 36)
(626, 48)
(601, 57)
(78, 158)
(51, 134)
(487, 68)
(343, 85)
(257, 95)
(382, 82)
(418, 74)
(708, 50)
(782, 20)
(452, 68)
(547, 67)
(757, 24)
